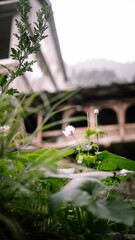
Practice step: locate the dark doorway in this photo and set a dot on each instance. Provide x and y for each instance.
(107, 116)
(81, 120)
(130, 114)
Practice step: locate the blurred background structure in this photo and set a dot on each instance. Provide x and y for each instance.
(49, 71)
(116, 105)
(104, 84)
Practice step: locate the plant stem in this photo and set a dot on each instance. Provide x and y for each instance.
(77, 143)
(88, 124)
(78, 210)
(96, 126)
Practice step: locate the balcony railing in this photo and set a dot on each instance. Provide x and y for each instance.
(114, 134)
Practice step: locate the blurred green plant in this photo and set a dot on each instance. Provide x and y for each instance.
(19, 171)
(88, 154)
(93, 194)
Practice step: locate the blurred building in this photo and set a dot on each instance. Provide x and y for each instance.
(116, 105)
(49, 71)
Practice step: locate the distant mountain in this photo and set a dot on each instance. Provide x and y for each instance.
(101, 72)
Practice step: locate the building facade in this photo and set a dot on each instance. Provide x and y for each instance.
(49, 71)
(116, 105)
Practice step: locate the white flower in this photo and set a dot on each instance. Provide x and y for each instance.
(69, 130)
(96, 111)
(80, 159)
(4, 129)
(89, 147)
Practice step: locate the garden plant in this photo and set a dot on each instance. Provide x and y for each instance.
(40, 200)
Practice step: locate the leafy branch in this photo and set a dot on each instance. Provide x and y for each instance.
(28, 42)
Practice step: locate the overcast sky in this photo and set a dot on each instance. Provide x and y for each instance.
(90, 29)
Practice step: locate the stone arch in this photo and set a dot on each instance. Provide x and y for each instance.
(107, 116)
(79, 123)
(130, 114)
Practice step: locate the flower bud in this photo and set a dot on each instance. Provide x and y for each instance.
(96, 111)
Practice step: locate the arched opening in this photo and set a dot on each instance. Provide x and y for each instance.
(54, 122)
(30, 123)
(130, 114)
(107, 116)
(80, 121)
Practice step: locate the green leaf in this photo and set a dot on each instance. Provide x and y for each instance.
(14, 54)
(19, 165)
(3, 80)
(42, 157)
(108, 165)
(89, 161)
(89, 132)
(12, 91)
(110, 161)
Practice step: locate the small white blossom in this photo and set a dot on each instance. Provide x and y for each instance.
(96, 111)
(4, 129)
(80, 159)
(88, 147)
(98, 130)
(69, 130)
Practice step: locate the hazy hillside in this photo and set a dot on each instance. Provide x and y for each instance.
(101, 72)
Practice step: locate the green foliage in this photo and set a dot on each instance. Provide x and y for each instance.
(104, 160)
(12, 91)
(20, 171)
(89, 132)
(110, 161)
(91, 194)
(3, 80)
